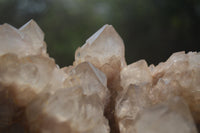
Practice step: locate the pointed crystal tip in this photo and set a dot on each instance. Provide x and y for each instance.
(28, 40)
(101, 47)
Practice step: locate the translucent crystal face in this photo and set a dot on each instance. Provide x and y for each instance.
(99, 93)
(101, 47)
(32, 33)
(28, 40)
(92, 80)
(135, 73)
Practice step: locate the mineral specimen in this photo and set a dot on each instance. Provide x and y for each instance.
(99, 93)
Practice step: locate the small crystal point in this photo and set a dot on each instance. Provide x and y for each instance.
(92, 80)
(11, 42)
(28, 40)
(88, 68)
(32, 33)
(33, 30)
(129, 105)
(135, 73)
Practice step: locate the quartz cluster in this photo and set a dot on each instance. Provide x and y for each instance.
(99, 93)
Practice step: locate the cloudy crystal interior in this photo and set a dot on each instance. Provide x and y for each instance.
(99, 93)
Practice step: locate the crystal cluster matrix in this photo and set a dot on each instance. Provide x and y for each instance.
(99, 93)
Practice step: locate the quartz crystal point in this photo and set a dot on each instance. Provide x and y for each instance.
(101, 47)
(135, 73)
(90, 78)
(135, 79)
(129, 104)
(105, 50)
(32, 33)
(28, 40)
(76, 109)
